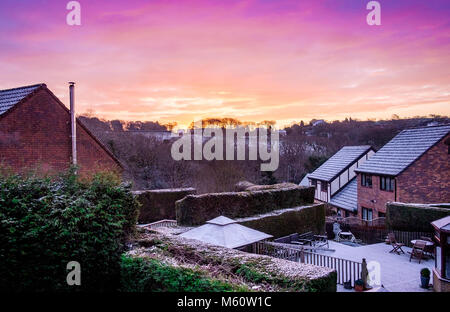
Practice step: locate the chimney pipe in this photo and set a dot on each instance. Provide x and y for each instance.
(73, 122)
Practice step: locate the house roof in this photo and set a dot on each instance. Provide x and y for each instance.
(339, 162)
(346, 198)
(223, 231)
(305, 181)
(442, 224)
(404, 149)
(10, 97)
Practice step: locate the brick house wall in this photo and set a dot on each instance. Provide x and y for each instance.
(36, 134)
(427, 180)
(367, 195)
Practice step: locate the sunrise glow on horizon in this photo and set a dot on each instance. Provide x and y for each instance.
(251, 60)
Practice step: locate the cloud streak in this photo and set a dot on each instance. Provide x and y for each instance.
(283, 60)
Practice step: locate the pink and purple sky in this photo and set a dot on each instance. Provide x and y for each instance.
(252, 60)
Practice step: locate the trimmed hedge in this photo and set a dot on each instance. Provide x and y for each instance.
(297, 220)
(239, 269)
(160, 204)
(151, 275)
(196, 209)
(45, 223)
(414, 217)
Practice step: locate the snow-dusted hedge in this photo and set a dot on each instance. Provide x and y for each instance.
(160, 204)
(45, 223)
(414, 217)
(196, 209)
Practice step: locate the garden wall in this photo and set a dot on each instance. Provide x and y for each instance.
(197, 209)
(414, 217)
(160, 204)
(287, 221)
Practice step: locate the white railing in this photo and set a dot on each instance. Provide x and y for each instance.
(347, 270)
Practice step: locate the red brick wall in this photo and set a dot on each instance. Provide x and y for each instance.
(366, 195)
(427, 180)
(36, 135)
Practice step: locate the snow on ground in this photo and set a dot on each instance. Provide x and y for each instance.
(397, 273)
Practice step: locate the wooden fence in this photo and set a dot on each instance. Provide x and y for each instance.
(346, 270)
(406, 237)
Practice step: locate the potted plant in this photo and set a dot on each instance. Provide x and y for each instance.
(359, 285)
(425, 277)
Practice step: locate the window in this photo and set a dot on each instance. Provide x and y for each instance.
(314, 183)
(381, 215)
(366, 180)
(367, 214)
(387, 184)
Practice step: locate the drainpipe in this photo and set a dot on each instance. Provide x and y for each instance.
(73, 122)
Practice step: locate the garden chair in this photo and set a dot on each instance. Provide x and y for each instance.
(396, 247)
(429, 250)
(418, 250)
(320, 241)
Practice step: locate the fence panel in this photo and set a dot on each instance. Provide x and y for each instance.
(346, 270)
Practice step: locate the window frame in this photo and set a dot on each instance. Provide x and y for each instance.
(366, 180)
(387, 184)
(365, 214)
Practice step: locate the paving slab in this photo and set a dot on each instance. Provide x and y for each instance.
(397, 273)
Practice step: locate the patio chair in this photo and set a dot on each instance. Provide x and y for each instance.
(396, 247)
(336, 230)
(418, 250)
(320, 241)
(429, 250)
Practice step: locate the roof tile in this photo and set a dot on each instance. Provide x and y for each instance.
(10, 97)
(403, 150)
(338, 162)
(346, 198)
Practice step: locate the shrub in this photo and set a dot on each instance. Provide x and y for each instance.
(151, 275)
(425, 272)
(47, 222)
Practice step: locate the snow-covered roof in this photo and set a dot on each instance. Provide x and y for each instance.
(225, 232)
(337, 163)
(346, 198)
(304, 181)
(403, 150)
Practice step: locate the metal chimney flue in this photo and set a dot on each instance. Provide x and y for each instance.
(73, 124)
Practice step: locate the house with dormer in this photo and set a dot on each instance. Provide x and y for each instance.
(335, 181)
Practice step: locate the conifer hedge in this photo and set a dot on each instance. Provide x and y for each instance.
(47, 222)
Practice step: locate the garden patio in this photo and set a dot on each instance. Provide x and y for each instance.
(396, 272)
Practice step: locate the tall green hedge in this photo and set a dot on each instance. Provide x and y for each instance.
(160, 204)
(414, 217)
(47, 222)
(196, 209)
(289, 221)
